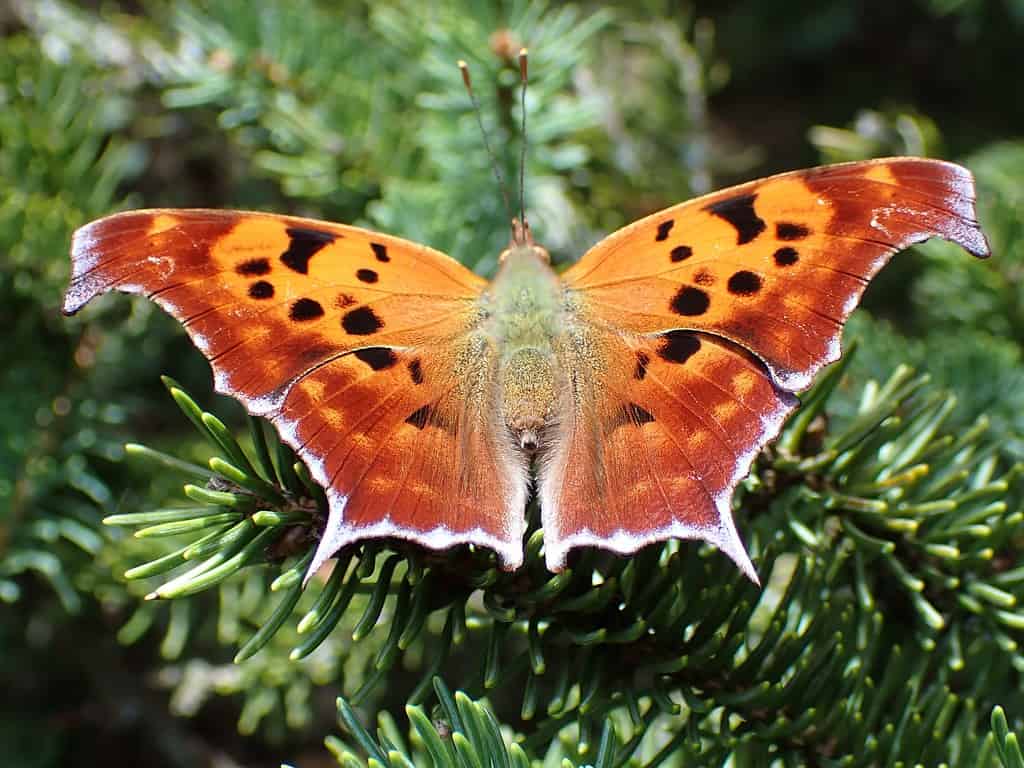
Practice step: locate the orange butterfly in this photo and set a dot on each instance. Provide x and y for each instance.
(641, 382)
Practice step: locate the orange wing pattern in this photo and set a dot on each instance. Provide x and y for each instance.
(380, 387)
(699, 322)
(669, 428)
(776, 265)
(685, 336)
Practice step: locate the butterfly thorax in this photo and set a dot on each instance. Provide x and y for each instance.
(524, 306)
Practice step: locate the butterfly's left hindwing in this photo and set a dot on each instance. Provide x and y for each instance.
(668, 425)
(362, 349)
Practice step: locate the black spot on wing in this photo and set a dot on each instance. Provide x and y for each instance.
(261, 289)
(638, 415)
(361, 321)
(343, 301)
(690, 301)
(739, 211)
(678, 346)
(744, 283)
(642, 361)
(663, 229)
(681, 252)
(424, 417)
(378, 358)
(416, 371)
(788, 230)
(303, 245)
(380, 251)
(253, 267)
(367, 275)
(786, 257)
(305, 309)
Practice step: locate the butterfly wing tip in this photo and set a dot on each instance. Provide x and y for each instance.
(982, 252)
(975, 242)
(966, 231)
(77, 296)
(739, 556)
(750, 573)
(510, 561)
(85, 257)
(310, 572)
(730, 544)
(325, 550)
(554, 558)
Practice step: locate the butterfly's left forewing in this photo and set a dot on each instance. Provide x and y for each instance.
(775, 265)
(363, 349)
(699, 322)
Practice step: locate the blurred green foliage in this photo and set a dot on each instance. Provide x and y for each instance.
(887, 520)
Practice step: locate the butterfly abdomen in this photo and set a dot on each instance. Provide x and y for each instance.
(525, 307)
(528, 395)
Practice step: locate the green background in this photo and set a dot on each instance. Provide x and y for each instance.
(354, 112)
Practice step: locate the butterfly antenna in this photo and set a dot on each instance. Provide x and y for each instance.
(464, 68)
(522, 138)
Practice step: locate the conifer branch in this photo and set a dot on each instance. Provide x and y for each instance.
(910, 515)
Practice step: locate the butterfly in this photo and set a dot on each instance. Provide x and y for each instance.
(633, 390)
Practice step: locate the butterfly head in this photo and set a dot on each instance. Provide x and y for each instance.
(522, 243)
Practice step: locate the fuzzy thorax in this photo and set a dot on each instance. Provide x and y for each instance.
(525, 307)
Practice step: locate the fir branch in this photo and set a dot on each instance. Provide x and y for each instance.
(615, 635)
